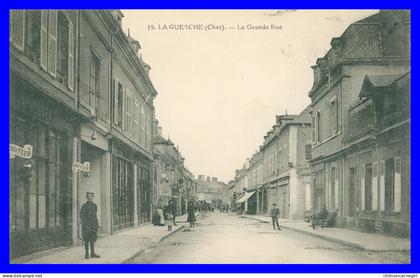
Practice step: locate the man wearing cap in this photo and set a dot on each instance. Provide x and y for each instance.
(90, 225)
(275, 217)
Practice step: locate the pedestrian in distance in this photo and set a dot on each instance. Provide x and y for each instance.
(275, 217)
(169, 218)
(172, 208)
(191, 214)
(89, 221)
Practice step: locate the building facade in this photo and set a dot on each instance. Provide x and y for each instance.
(375, 45)
(377, 155)
(286, 173)
(80, 93)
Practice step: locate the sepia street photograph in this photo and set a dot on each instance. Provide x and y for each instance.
(210, 136)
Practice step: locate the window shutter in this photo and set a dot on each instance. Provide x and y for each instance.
(331, 117)
(336, 188)
(70, 82)
(142, 124)
(52, 42)
(375, 186)
(115, 88)
(18, 28)
(336, 116)
(328, 191)
(44, 39)
(382, 186)
(136, 120)
(124, 115)
(362, 188)
(397, 184)
(307, 196)
(313, 128)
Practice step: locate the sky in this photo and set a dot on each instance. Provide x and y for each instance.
(223, 75)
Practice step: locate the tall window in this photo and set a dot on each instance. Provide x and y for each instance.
(94, 83)
(318, 126)
(33, 35)
(62, 47)
(120, 98)
(47, 38)
(333, 120)
(313, 127)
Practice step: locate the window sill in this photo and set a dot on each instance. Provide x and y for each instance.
(328, 139)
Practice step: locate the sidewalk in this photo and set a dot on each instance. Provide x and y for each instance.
(364, 241)
(118, 248)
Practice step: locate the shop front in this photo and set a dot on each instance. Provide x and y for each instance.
(41, 182)
(122, 187)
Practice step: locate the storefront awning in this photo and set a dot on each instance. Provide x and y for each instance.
(245, 197)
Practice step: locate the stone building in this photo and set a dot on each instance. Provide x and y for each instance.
(377, 45)
(79, 92)
(377, 155)
(286, 173)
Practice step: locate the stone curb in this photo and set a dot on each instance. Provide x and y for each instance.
(344, 242)
(132, 257)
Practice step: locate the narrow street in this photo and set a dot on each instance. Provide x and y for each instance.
(228, 238)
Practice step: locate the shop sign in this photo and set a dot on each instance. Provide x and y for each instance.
(25, 152)
(83, 167)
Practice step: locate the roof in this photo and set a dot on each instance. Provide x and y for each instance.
(160, 140)
(373, 82)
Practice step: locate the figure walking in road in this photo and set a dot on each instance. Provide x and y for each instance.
(275, 217)
(191, 214)
(89, 221)
(172, 208)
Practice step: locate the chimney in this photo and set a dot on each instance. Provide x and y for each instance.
(317, 73)
(135, 45)
(155, 127)
(201, 177)
(214, 179)
(208, 178)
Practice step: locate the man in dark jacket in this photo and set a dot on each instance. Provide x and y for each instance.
(275, 217)
(90, 225)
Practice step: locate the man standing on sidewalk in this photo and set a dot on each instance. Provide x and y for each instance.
(90, 225)
(275, 217)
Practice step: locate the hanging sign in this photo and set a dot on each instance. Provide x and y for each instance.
(25, 152)
(83, 167)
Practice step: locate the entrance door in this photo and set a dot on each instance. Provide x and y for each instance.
(122, 194)
(351, 193)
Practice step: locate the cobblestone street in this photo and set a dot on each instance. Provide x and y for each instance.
(228, 238)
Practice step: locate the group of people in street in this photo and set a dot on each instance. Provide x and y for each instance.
(323, 218)
(163, 216)
(166, 215)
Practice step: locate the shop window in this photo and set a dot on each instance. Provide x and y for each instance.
(332, 185)
(31, 206)
(94, 70)
(389, 184)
